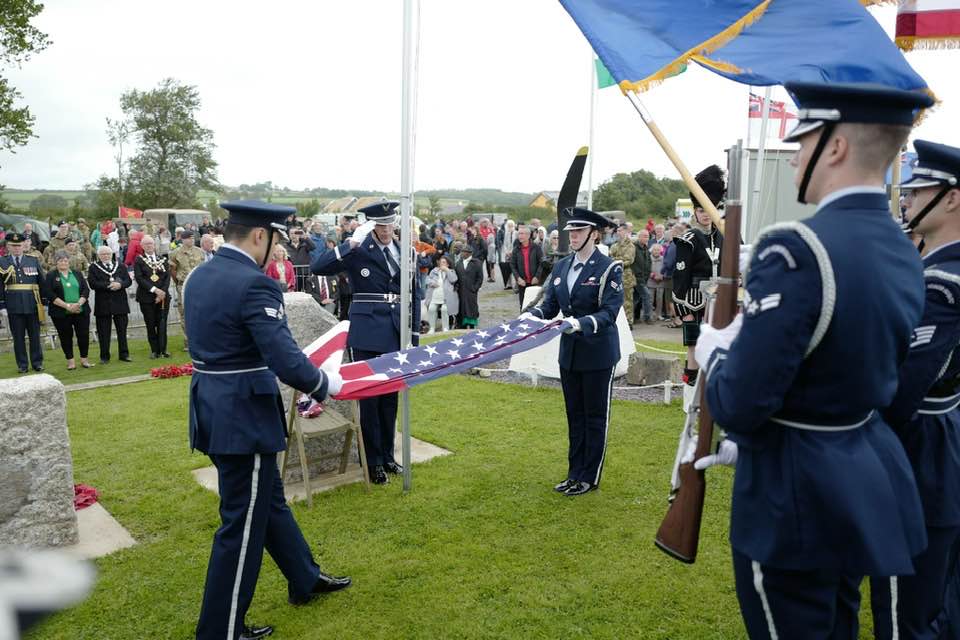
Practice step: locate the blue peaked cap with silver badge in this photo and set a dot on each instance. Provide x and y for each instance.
(820, 103)
(938, 165)
(256, 213)
(382, 212)
(579, 218)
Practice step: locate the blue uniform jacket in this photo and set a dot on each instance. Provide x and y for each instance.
(821, 481)
(595, 301)
(374, 325)
(924, 412)
(30, 273)
(240, 339)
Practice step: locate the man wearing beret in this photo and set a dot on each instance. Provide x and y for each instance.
(21, 297)
(184, 260)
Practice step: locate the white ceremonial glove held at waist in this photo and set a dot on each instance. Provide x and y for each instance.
(526, 315)
(712, 339)
(334, 383)
(360, 233)
(745, 250)
(726, 454)
(570, 325)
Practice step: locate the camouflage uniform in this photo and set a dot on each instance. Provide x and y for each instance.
(56, 244)
(79, 262)
(183, 261)
(624, 251)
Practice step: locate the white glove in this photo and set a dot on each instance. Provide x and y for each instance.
(526, 315)
(712, 339)
(745, 250)
(726, 454)
(334, 382)
(570, 325)
(360, 233)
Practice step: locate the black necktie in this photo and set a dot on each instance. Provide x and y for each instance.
(578, 266)
(16, 261)
(394, 267)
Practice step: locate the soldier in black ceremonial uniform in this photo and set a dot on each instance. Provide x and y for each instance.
(698, 260)
(240, 344)
(371, 259)
(110, 280)
(153, 284)
(587, 288)
(22, 296)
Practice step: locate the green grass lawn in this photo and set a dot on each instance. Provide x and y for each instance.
(55, 363)
(481, 548)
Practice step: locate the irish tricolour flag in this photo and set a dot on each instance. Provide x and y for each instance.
(928, 24)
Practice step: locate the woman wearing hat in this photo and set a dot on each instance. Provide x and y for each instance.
(586, 287)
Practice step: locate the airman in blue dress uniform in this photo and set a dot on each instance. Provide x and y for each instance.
(587, 288)
(924, 412)
(22, 294)
(240, 344)
(823, 492)
(371, 259)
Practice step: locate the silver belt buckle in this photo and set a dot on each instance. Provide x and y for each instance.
(392, 297)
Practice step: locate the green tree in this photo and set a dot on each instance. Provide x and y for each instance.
(308, 209)
(640, 194)
(18, 41)
(174, 157)
(48, 205)
(435, 206)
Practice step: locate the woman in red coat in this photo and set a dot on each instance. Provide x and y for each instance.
(281, 269)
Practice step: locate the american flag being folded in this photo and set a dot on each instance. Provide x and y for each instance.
(407, 368)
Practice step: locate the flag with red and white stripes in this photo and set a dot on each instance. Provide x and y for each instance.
(928, 24)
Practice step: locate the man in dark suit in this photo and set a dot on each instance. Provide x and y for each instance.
(587, 288)
(153, 282)
(110, 280)
(371, 260)
(21, 296)
(240, 344)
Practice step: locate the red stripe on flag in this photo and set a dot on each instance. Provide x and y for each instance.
(929, 24)
(355, 370)
(336, 343)
(360, 389)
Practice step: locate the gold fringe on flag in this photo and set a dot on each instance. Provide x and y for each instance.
(909, 43)
(870, 3)
(704, 48)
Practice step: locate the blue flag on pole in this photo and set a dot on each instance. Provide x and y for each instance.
(642, 42)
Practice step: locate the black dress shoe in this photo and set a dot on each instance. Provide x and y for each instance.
(255, 631)
(125, 359)
(393, 467)
(22, 370)
(563, 486)
(154, 356)
(38, 369)
(378, 475)
(579, 488)
(165, 354)
(324, 584)
(104, 361)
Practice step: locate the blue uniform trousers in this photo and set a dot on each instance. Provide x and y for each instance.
(920, 606)
(786, 604)
(951, 604)
(378, 419)
(255, 515)
(587, 398)
(22, 326)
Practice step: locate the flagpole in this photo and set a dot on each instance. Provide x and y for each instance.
(688, 179)
(411, 14)
(754, 207)
(593, 111)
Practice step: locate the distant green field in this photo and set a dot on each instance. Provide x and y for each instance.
(21, 198)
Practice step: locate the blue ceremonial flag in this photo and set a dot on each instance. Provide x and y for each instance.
(642, 42)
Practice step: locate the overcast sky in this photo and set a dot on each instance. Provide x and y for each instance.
(307, 94)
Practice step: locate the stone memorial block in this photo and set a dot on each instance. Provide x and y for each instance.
(36, 468)
(652, 368)
(308, 321)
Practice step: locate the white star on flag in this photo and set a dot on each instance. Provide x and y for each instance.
(431, 350)
(426, 363)
(396, 370)
(524, 326)
(505, 327)
(483, 334)
(401, 358)
(454, 354)
(457, 342)
(478, 346)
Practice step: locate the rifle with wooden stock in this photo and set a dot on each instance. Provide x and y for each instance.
(679, 533)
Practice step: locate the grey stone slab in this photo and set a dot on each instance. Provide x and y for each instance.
(652, 368)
